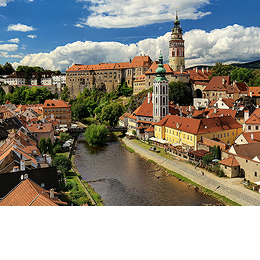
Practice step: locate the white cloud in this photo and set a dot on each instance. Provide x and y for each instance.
(233, 43)
(31, 36)
(134, 13)
(15, 40)
(4, 2)
(20, 27)
(8, 47)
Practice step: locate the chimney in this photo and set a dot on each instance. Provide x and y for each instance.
(22, 165)
(149, 98)
(16, 169)
(190, 108)
(181, 69)
(177, 125)
(223, 81)
(246, 115)
(51, 193)
(215, 110)
(251, 93)
(203, 70)
(252, 136)
(52, 116)
(197, 70)
(207, 69)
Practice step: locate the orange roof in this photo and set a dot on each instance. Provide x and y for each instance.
(152, 69)
(28, 193)
(222, 112)
(249, 136)
(140, 78)
(199, 126)
(255, 91)
(200, 76)
(55, 103)
(150, 129)
(231, 162)
(215, 83)
(146, 109)
(40, 128)
(254, 118)
(138, 61)
(123, 116)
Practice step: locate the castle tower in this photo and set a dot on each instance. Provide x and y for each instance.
(160, 93)
(176, 47)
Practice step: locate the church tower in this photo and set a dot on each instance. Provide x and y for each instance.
(160, 93)
(176, 47)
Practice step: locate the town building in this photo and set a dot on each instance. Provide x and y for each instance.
(60, 110)
(106, 76)
(14, 79)
(29, 193)
(254, 93)
(188, 131)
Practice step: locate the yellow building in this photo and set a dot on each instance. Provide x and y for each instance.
(188, 131)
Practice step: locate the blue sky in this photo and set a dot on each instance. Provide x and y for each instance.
(55, 34)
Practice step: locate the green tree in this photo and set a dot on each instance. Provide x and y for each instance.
(221, 69)
(208, 158)
(43, 145)
(79, 111)
(241, 74)
(218, 153)
(96, 135)
(49, 146)
(64, 137)
(8, 68)
(124, 90)
(179, 93)
(62, 163)
(65, 94)
(111, 113)
(2, 96)
(255, 80)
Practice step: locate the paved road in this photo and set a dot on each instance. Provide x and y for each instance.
(230, 188)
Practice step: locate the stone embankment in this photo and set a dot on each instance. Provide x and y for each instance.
(230, 188)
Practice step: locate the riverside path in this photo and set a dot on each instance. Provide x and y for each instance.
(230, 188)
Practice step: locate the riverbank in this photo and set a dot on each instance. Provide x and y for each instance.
(229, 191)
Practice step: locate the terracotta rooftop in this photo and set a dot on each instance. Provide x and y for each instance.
(231, 161)
(146, 109)
(222, 112)
(255, 91)
(247, 150)
(152, 69)
(215, 84)
(254, 118)
(252, 137)
(138, 61)
(40, 128)
(199, 126)
(28, 193)
(200, 76)
(55, 103)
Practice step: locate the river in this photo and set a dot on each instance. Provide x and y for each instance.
(123, 178)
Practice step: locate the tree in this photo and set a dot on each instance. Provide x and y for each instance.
(64, 137)
(255, 80)
(62, 163)
(8, 68)
(65, 94)
(179, 93)
(241, 74)
(221, 69)
(43, 145)
(2, 96)
(218, 153)
(96, 135)
(79, 111)
(124, 90)
(111, 113)
(49, 146)
(208, 158)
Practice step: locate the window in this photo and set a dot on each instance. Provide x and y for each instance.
(213, 136)
(228, 134)
(224, 134)
(256, 128)
(255, 174)
(249, 127)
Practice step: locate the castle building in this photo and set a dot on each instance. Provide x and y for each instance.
(176, 47)
(105, 75)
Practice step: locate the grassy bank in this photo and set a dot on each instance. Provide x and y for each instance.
(202, 189)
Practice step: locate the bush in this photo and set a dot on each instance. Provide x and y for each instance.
(62, 163)
(96, 135)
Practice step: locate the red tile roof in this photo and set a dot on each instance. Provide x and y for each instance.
(146, 109)
(255, 91)
(200, 76)
(138, 61)
(152, 69)
(199, 126)
(249, 136)
(56, 103)
(231, 161)
(222, 112)
(215, 84)
(28, 193)
(254, 118)
(40, 128)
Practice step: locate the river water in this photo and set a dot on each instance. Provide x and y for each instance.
(123, 178)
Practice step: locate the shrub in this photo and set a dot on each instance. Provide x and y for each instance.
(96, 135)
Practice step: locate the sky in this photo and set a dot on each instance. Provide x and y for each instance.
(55, 34)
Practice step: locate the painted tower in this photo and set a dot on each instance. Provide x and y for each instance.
(176, 47)
(160, 93)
